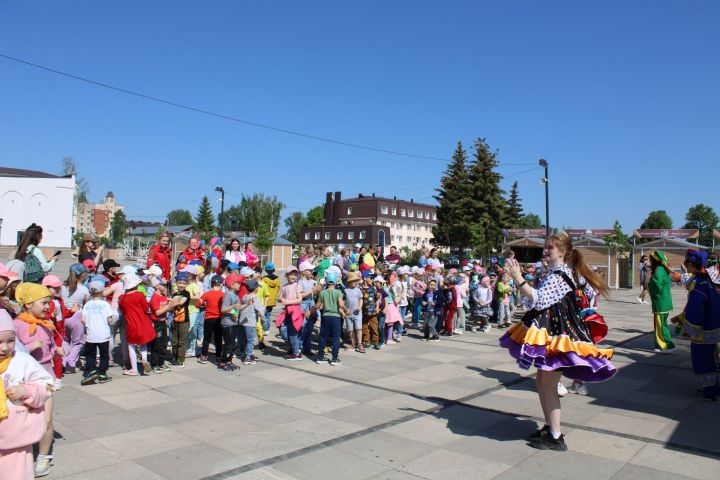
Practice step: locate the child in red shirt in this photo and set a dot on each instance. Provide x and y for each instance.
(212, 301)
(160, 305)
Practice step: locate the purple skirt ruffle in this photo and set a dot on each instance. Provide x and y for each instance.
(572, 365)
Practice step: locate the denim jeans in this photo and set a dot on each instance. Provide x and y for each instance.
(195, 332)
(292, 335)
(381, 328)
(400, 326)
(266, 320)
(307, 327)
(329, 330)
(417, 312)
(248, 335)
(431, 320)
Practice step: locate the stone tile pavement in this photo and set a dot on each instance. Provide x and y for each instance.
(455, 409)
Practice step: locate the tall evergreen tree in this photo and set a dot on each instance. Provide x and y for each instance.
(453, 196)
(487, 205)
(118, 226)
(204, 220)
(514, 208)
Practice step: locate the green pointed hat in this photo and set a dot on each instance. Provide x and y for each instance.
(659, 257)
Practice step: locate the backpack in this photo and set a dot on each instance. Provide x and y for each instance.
(34, 272)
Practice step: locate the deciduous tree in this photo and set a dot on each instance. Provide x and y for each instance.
(704, 219)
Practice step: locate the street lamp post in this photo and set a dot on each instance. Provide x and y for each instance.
(543, 163)
(222, 208)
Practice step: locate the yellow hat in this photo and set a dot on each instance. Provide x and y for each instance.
(29, 292)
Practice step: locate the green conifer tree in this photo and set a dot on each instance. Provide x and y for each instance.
(514, 208)
(205, 219)
(453, 196)
(487, 205)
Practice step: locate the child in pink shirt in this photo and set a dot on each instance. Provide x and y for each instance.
(24, 388)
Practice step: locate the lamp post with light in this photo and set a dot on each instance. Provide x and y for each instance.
(222, 208)
(545, 180)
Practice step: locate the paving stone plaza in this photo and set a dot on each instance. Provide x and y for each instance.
(457, 409)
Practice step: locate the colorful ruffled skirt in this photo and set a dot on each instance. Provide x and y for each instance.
(557, 339)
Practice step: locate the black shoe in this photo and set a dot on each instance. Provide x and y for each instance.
(89, 379)
(70, 370)
(104, 379)
(547, 442)
(261, 346)
(543, 432)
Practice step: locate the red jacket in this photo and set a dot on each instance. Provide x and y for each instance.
(160, 256)
(188, 255)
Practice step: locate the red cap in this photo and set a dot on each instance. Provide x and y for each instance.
(89, 264)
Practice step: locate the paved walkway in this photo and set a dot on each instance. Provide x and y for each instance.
(455, 409)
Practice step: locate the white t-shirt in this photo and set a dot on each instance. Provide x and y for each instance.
(96, 314)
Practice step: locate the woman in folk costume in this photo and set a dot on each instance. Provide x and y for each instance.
(557, 335)
(24, 388)
(35, 332)
(661, 300)
(701, 322)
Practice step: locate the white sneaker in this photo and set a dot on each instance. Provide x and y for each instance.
(561, 390)
(639, 300)
(578, 388)
(391, 342)
(42, 466)
(57, 384)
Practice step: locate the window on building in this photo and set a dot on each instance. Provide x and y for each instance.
(349, 210)
(394, 211)
(411, 213)
(434, 216)
(427, 215)
(339, 235)
(402, 212)
(327, 235)
(317, 236)
(351, 235)
(307, 235)
(384, 210)
(419, 214)
(362, 235)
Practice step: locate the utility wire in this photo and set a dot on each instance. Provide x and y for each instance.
(226, 117)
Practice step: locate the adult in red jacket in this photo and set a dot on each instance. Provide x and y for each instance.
(160, 254)
(192, 252)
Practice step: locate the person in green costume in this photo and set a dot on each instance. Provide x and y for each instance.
(661, 300)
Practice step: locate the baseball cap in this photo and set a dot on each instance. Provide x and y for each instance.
(366, 273)
(251, 284)
(77, 268)
(127, 269)
(290, 270)
(269, 267)
(233, 266)
(233, 279)
(109, 263)
(50, 281)
(217, 280)
(247, 271)
(306, 266)
(153, 270)
(331, 277)
(89, 264)
(97, 286)
(181, 277)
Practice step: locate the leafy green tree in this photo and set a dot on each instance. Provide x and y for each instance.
(179, 217)
(265, 239)
(453, 197)
(530, 220)
(204, 219)
(294, 223)
(619, 244)
(514, 208)
(703, 218)
(118, 226)
(315, 216)
(657, 219)
(253, 212)
(487, 206)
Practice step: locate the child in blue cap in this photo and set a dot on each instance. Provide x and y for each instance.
(330, 303)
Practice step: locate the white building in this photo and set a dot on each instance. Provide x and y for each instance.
(28, 196)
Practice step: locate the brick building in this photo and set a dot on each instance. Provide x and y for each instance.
(370, 219)
(97, 217)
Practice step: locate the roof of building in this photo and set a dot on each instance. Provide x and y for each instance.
(110, 195)
(19, 172)
(386, 199)
(140, 231)
(670, 244)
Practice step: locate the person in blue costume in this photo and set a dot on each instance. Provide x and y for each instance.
(701, 322)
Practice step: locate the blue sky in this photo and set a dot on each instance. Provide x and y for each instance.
(620, 97)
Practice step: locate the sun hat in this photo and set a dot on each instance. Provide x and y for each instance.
(109, 263)
(77, 268)
(6, 322)
(306, 266)
(231, 279)
(153, 270)
(269, 267)
(128, 269)
(131, 280)
(97, 286)
(52, 281)
(29, 292)
(247, 272)
(352, 277)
